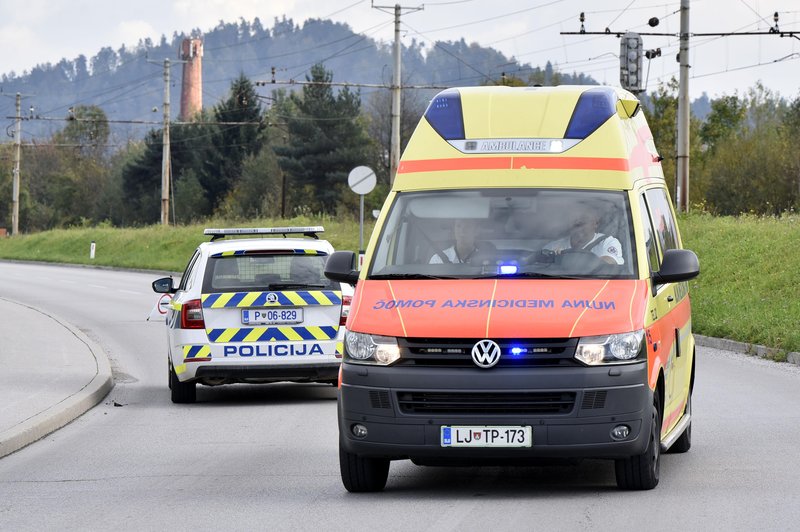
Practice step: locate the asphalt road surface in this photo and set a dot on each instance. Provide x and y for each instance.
(265, 457)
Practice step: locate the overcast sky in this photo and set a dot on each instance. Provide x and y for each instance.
(42, 31)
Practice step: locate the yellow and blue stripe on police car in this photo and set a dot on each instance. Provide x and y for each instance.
(271, 334)
(298, 298)
(196, 351)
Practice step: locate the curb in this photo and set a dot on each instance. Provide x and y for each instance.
(68, 409)
(760, 351)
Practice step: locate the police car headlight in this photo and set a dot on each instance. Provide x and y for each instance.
(624, 348)
(371, 349)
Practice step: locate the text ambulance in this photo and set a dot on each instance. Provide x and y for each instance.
(524, 293)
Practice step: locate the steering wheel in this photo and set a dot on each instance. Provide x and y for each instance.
(581, 259)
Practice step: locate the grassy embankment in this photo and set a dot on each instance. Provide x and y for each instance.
(747, 291)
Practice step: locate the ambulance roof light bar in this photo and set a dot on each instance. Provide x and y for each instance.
(310, 231)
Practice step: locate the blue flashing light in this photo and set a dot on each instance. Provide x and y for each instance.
(516, 351)
(444, 114)
(508, 269)
(594, 107)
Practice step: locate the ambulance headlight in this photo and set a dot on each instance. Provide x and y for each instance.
(624, 348)
(371, 349)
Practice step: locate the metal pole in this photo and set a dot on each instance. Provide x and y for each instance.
(361, 227)
(15, 171)
(682, 164)
(165, 155)
(395, 144)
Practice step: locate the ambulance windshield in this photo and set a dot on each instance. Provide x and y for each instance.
(514, 233)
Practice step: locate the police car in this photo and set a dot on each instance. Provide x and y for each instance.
(255, 310)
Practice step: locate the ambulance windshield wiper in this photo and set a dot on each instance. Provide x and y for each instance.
(528, 275)
(408, 276)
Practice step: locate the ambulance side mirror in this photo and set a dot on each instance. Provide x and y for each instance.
(341, 267)
(678, 265)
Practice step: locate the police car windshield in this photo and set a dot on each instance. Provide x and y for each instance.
(515, 233)
(262, 272)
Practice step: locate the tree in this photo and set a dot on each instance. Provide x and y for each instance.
(233, 143)
(326, 139)
(726, 117)
(754, 171)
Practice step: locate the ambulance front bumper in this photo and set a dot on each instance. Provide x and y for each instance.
(572, 411)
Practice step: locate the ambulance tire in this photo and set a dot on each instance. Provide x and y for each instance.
(641, 472)
(684, 442)
(181, 392)
(361, 474)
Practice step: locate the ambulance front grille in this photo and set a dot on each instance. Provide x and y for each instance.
(457, 352)
(486, 403)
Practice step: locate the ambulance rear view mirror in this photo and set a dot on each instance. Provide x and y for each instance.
(678, 265)
(341, 267)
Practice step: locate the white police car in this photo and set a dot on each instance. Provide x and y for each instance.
(255, 310)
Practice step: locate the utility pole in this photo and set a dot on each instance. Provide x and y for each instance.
(394, 152)
(394, 155)
(15, 174)
(165, 152)
(166, 167)
(682, 164)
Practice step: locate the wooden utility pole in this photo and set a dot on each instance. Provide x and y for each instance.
(15, 174)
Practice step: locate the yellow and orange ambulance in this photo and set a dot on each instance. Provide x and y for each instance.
(523, 295)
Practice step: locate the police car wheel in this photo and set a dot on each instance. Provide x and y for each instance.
(181, 392)
(362, 474)
(641, 472)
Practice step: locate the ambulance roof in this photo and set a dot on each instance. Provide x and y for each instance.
(576, 136)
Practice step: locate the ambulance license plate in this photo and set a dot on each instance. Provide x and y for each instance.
(272, 316)
(487, 436)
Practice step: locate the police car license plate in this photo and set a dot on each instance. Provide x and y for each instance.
(272, 316)
(487, 436)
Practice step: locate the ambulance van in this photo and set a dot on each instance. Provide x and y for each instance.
(524, 296)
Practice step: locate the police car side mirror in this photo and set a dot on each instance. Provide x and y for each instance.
(164, 286)
(678, 265)
(341, 267)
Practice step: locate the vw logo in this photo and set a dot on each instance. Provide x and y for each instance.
(486, 354)
(272, 297)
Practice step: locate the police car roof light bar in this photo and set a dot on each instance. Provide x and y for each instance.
(310, 231)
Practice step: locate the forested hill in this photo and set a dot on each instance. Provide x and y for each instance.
(128, 83)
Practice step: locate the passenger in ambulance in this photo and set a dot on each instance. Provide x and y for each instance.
(466, 248)
(583, 236)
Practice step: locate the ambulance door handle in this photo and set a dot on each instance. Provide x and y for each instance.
(670, 299)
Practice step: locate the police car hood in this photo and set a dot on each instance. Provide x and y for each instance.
(498, 308)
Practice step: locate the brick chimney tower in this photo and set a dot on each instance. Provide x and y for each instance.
(192, 87)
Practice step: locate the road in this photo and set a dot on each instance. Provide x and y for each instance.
(265, 457)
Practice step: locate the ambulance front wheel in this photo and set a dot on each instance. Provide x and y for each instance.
(641, 472)
(362, 474)
(181, 392)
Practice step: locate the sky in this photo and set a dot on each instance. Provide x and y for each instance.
(44, 31)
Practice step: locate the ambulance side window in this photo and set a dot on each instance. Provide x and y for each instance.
(649, 241)
(663, 220)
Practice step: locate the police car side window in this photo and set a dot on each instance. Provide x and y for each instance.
(662, 218)
(187, 274)
(649, 241)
